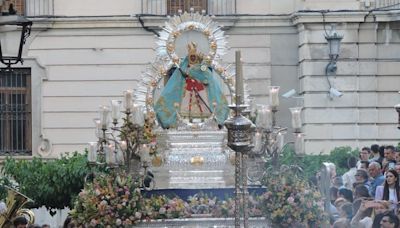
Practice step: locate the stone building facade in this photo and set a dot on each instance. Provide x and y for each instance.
(82, 54)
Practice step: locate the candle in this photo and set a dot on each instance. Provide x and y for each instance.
(239, 78)
(138, 116)
(92, 154)
(123, 145)
(257, 141)
(98, 130)
(274, 96)
(128, 94)
(120, 157)
(280, 140)
(299, 144)
(110, 155)
(296, 118)
(264, 117)
(115, 110)
(104, 117)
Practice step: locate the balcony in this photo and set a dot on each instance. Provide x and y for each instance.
(387, 4)
(171, 7)
(29, 8)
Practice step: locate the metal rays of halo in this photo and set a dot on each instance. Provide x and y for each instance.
(167, 56)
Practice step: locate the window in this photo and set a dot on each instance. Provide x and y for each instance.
(185, 5)
(15, 112)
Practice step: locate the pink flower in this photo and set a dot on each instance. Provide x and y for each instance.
(162, 210)
(290, 200)
(138, 215)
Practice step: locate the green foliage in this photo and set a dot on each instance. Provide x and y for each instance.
(311, 163)
(54, 183)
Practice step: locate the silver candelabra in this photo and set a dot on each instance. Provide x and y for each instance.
(119, 142)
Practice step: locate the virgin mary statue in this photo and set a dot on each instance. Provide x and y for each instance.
(192, 91)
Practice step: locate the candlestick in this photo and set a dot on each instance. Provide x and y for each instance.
(128, 99)
(264, 117)
(104, 117)
(299, 143)
(110, 155)
(257, 141)
(115, 110)
(280, 138)
(296, 118)
(239, 78)
(274, 96)
(92, 154)
(123, 145)
(98, 131)
(138, 115)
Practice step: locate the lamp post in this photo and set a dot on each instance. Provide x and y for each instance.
(25, 26)
(239, 140)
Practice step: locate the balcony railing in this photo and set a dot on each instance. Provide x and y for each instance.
(387, 4)
(39, 8)
(171, 7)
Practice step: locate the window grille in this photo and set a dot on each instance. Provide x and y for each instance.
(15, 112)
(174, 5)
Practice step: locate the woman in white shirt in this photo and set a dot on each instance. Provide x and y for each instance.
(391, 190)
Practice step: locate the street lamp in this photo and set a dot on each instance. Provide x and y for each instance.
(397, 107)
(334, 40)
(25, 25)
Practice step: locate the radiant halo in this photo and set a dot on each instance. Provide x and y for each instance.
(171, 48)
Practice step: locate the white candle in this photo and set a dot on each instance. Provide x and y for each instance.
(115, 110)
(280, 140)
(98, 130)
(264, 117)
(123, 145)
(239, 78)
(274, 96)
(120, 157)
(296, 118)
(104, 116)
(92, 154)
(299, 144)
(128, 99)
(257, 141)
(110, 155)
(138, 115)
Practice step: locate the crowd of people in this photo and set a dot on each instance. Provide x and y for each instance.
(368, 194)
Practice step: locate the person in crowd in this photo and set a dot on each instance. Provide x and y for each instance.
(376, 156)
(380, 209)
(333, 212)
(68, 223)
(363, 214)
(389, 220)
(362, 178)
(374, 170)
(346, 213)
(20, 222)
(364, 156)
(349, 176)
(390, 157)
(397, 167)
(364, 165)
(346, 194)
(361, 192)
(45, 226)
(337, 182)
(390, 191)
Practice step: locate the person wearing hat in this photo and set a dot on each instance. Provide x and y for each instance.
(362, 178)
